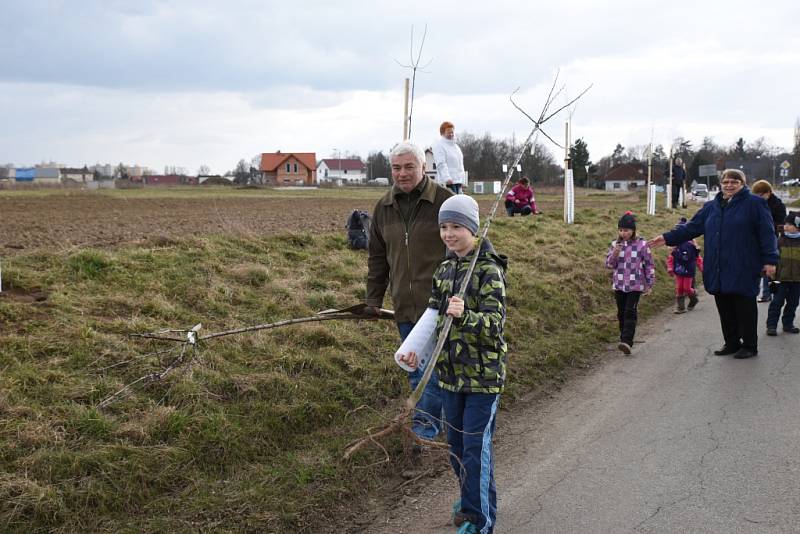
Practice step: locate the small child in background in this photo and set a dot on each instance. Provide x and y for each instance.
(472, 365)
(634, 273)
(682, 264)
(787, 278)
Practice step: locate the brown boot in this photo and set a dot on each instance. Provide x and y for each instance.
(680, 305)
(693, 300)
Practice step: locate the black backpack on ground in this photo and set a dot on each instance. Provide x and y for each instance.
(358, 230)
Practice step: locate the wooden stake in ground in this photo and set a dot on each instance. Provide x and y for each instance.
(669, 185)
(405, 110)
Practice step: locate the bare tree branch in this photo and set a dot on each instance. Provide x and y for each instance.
(414, 65)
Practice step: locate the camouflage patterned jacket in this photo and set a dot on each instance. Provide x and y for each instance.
(473, 359)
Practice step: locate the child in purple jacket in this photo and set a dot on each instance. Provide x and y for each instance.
(634, 273)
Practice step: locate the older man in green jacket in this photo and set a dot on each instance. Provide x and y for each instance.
(404, 251)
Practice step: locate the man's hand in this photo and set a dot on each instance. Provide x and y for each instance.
(456, 307)
(769, 271)
(410, 359)
(449, 182)
(372, 311)
(657, 242)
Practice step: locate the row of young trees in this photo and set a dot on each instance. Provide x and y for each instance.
(485, 155)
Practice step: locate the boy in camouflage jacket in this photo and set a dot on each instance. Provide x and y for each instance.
(472, 364)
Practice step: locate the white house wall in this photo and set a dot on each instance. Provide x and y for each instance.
(624, 185)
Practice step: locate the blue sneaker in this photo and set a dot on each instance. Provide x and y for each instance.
(457, 512)
(468, 528)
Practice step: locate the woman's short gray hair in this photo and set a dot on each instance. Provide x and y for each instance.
(734, 174)
(407, 147)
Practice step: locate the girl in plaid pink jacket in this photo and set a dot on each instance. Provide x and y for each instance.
(634, 274)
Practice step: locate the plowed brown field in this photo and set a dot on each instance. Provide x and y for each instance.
(65, 219)
(56, 221)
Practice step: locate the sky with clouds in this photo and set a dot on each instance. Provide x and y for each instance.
(191, 82)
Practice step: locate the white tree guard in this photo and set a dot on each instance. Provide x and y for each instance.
(651, 200)
(569, 197)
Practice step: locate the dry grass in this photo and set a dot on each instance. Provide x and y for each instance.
(249, 437)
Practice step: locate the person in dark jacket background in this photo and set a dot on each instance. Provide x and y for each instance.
(740, 243)
(777, 209)
(678, 179)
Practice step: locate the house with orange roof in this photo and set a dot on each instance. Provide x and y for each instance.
(288, 168)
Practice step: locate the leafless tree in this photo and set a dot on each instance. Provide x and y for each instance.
(414, 65)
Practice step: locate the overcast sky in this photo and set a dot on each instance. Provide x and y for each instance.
(191, 82)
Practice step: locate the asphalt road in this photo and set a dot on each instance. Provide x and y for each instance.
(669, 439)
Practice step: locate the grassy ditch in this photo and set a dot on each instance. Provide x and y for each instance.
(249, 435)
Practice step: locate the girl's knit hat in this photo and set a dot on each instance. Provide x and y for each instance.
(463, 210)
(627, 221)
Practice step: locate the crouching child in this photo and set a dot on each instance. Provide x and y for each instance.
(472, 364)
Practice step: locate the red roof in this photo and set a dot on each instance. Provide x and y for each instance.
(632, 171)
(345, 164)
(272, 160)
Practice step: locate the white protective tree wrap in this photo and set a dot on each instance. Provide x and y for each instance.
(421, 340)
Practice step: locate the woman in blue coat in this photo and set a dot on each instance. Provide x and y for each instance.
(740, 244)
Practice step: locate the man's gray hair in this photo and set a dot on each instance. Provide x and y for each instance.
(407, 147)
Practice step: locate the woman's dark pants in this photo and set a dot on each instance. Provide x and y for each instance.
(738, 317)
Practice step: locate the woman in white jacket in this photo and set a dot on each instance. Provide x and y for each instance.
(448, 159)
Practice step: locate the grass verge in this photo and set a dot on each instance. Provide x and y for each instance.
(249, 436)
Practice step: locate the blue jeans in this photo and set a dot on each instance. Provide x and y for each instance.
(428, 418)
(790, 293)
(471, 419)
(765, 294)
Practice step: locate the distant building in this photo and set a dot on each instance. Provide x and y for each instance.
(288, 168)
(351, 170)
(47, 175)
(79, 175)
(630, 177)
(24, 174)
(7, 172)
(105, 170)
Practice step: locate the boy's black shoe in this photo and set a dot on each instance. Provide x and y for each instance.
(792, 330)
(772, 332)
(624, 347)
(725, 350)
(744, 352)
(765, 299)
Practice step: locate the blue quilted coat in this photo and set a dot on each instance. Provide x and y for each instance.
(739, 241)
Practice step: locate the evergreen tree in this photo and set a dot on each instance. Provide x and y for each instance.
(579, 154)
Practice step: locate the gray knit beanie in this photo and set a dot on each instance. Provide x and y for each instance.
(463, 210)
